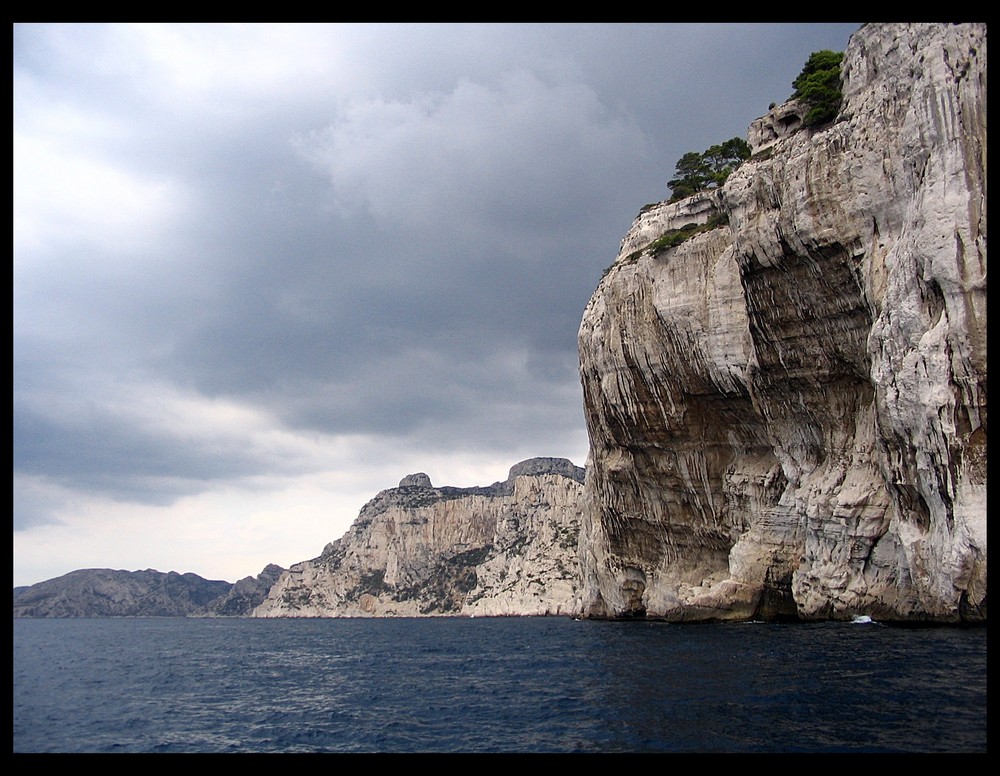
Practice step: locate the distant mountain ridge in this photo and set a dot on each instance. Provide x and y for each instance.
(148, 593)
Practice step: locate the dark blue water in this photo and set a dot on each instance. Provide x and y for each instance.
(494, 685)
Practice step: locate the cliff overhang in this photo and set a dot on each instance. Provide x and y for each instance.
(787, 406)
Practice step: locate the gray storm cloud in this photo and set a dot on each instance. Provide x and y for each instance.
(235, 244)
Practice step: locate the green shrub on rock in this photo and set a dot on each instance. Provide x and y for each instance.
(819, 86)
(708, 170)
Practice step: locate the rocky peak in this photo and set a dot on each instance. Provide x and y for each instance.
(534, 467)
(419, 480)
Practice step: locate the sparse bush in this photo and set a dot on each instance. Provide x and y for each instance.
(819, 87)
(708, 170)
(671, 239)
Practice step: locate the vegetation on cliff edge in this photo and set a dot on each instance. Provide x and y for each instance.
(819, 86)
(708, 170)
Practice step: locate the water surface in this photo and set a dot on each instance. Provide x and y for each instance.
(494, 685)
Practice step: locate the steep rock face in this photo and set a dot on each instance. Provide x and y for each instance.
(506, 549)
(245, 595)
(787, 413)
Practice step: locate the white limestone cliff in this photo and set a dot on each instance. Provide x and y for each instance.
(506, 549)
(787, 412)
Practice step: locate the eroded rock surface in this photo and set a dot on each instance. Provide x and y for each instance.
(505, 549)
(787, 412)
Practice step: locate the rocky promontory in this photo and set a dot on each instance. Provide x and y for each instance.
(509, 548)
(787, 409)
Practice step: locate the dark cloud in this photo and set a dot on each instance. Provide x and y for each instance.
(388, 231)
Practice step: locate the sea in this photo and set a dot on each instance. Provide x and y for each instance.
(494, 685)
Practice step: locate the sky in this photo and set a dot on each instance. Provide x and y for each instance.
(262, 271)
